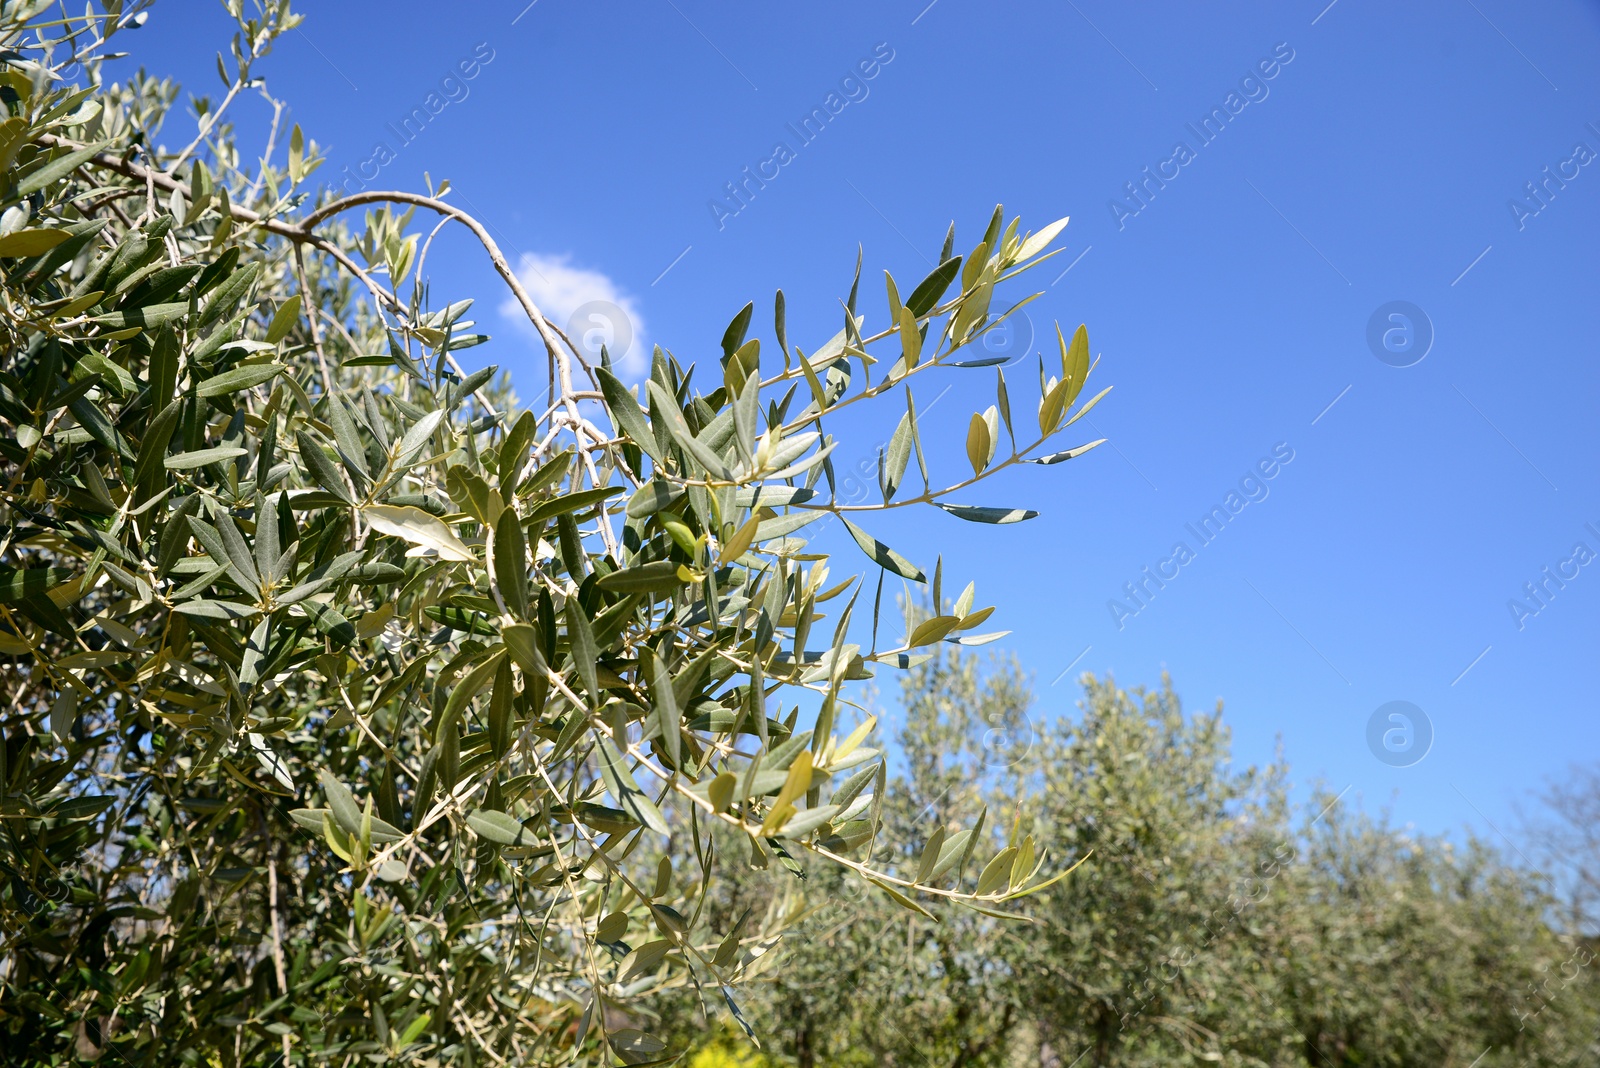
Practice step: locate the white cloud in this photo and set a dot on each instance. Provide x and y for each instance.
(588, 305)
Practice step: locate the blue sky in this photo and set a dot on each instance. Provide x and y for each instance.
(1368, 154)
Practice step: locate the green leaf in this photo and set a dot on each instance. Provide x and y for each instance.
(803, 823)
(819, 395)
(419, 528)
(620, 785)
(571, 502)
(626, 414)
(413, 1029)
(899, 455)
(971, 640)
(977, 259)
(997, 873)
(585, 656)
(283, 319)
(153, 315)
(58, 167)
(665, 409)
(930, 854)
(322, 577)
(32, 242)
(910, 338)
(341, 802)
(973, 513)
(459, 619)
(514, 452)
(297, 155)
(1051, 406)
(742, 365)
(321, 469)
(23, 583)
(643, 960)
(724, 720)
(205, 609)
(653, 496)
(188, 460)
(660, 576)
(668, 717)
(784, 525)
(980, 444)
(901, 899)
(309, 818)
(351, 451)
(416, 438)
(770, 496)
(1037, 243)
(780, 325)
(720, 792)
(733, 337)
(511, 562)
(522, 641)
(739, 542)
(255, 651)
(1067, 454)
(14, 131)
(1022, 867)
(600, 817)
(882, 555)
(931, 630)
(329, 621)
(465, 691)
(612, 927)
(157, 436)
(499, 828)
(237, 550)
(1086, 407)
(80, 808)
(796, 781)
(229, 293)
(1075, 360)
(923, 299)
(1003, 401)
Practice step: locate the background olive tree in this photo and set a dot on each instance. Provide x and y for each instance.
(353, 713)
(1214, 919)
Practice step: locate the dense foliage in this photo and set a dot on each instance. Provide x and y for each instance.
(352, 713)
(1212, 920)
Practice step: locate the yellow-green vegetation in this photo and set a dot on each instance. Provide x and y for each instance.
(1214, 919)
(354, 712)
(728, 1051)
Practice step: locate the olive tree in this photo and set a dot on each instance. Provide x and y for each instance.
(353, 712)
(1218, 915)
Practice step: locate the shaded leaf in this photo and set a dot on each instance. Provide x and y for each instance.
(623, 789)
(973, 513)
(882, 555)
(499, 828)
(1067, 454)
(930, 289)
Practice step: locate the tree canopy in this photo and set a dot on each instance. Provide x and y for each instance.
(1213, 919)
(354, 712)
